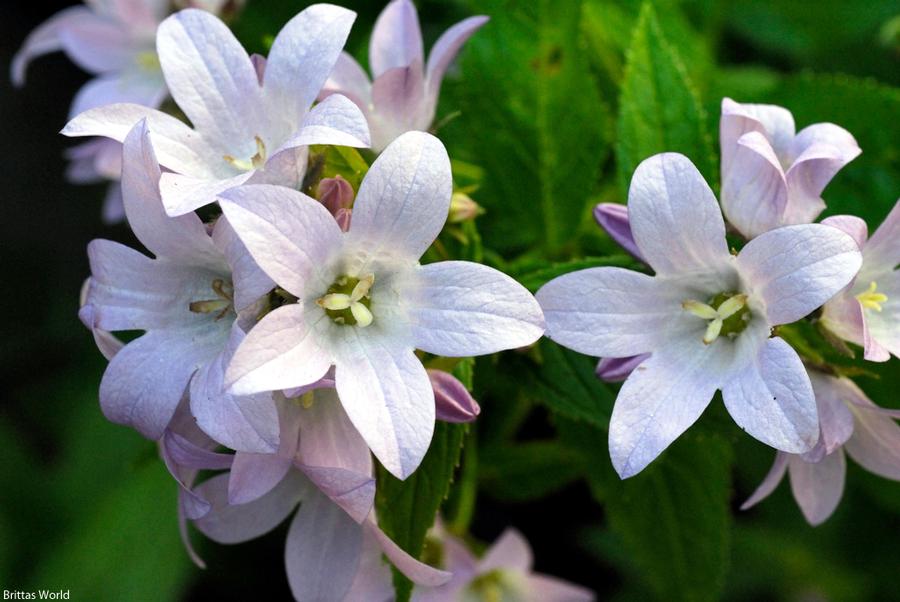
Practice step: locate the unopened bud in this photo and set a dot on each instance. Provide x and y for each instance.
(453, 403)
(613, 218)
(335, 193)
(343, 218)
(463, 208)
(617, 369)
(259, 65)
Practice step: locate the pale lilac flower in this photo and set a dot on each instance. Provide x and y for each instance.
(334, 546)
(771, 176)
(404, 93)
(99, 160)
(243, 129)
(453, 402)
(112, 40)
(504, 573)
(364, 302)
(867, 312)
(187, 300)
(850, 422)
(705, 318)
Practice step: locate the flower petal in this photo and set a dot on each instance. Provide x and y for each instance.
(291, 236)
(302, 55)
(883, 250)
(280, 352)
(550, 589)
(398, 101)
(610, 311)
(329, 439)
(776, 123)
(452, 401)
(613, 218)
(617, 369)
(462, 308)
(249, 281)
(417, 572)
(336, 120)
(182, 194)
(122, 87)
(388, 397)
(875, 443)
(445, 50)
(253, 475)
(96, 44)
(403, 201)
(818, 486)
(851, 225)
(882, 328)
(349, 79)
(323, 548)
(510, 552)
(795, 269)
(770, 482)
(396, 38)
(754, 190)
(835, 419)
(44, 39)
(674, 216)
(818, 151)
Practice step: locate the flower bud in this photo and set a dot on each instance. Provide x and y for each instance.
(617, 369)
(453, 403)
(342, 216)
(613, 218)
(335, 193)
(259, 65)
(463, 208)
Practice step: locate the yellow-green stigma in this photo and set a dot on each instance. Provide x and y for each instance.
(254, 162)
(222, 304)
(347, 301)
(148, 60)
(870, 299)
(727, 313)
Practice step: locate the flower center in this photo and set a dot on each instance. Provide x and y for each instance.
(148, 60)
(221, 304)
(254, 162)
(491, 586)
(727, 314)
(870, 299)
(347, 301)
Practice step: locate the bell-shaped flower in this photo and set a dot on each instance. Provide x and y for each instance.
(772, 176)
(705, 318)
(334, 547)
(504, 572)
(404, 93)
(187, 300)
(850, 422)
(364, 303)
(244, 128)
(867, 312)
(112, 40)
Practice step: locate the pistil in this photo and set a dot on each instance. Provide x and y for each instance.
(727, 315)
(349, 307)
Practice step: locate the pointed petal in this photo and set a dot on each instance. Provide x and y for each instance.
(349, 79)
(883, 249)
(776, 123)
(613, 218)
(445, 50)
(44, 39)
(188, 454)
(291, 236)
(280, 352)
(388, 397)
(550, 589)
(398, 97)
(210, 76)
(403, 202)
(510, 551)
(851, 225)
(417, 572)
(238, 523)
(462, 308)
(322, 553)
(674, 216)
(336, 120)
(96, 44)
(818, 486)
(302, 55)
(819, 151)
(795, 269)
(373, 581)
(770, 482)
(754, 190)
(185, 535)
(772, 399)
(835, 419)
(875, 443)
(396, 38)
(610, 311)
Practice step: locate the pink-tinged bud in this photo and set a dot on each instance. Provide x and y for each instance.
(335, 193)
(259, 65)
(343, 218)
(463, 208)
(453, 403)
(613, 218)
(617, 369)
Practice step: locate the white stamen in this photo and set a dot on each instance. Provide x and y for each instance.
(335, 301)
(716, 316)
(362, 314)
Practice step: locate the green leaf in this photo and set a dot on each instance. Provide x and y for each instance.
(532, 117)
(528, 471)
(673, 518)
(567, 385)
(534, 274)
(659, 108)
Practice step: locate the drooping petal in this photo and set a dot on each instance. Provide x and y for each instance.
(302, 55)
(210, 76)
(398, 97)
(45, 39)
(460, 308)
(770, 482)
(445, 50)
(610, 311)
(373, 581)
(795, 269)
(674, 216)
(613, 218)
(818, 486)
(403, 201)
(96, 44)
(290, 235)
(280, 352)
(418, 572)
(145, 380)
(835, 419)
(772, 399)
(396, 38)
(617, 369)
(336, 120)
(550, 589)
(883, 250)
(183, 239)
(323, 549)
(348, 78)
(511, 552)
(754, 190)
(227, 523)
(388, 397)
(850, 224)
(875, 443)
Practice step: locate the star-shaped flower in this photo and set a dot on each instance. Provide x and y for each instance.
(247, 126)
(404, 93)
(705, 318)
(771, 176)
(364, 304)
